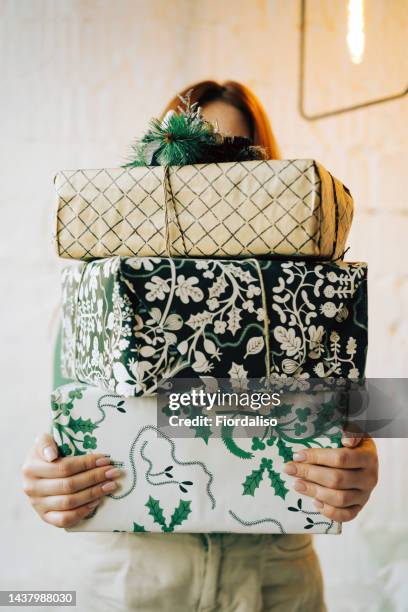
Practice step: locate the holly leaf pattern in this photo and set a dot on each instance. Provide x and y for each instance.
(325, 416)
(218, 287)
(203, 431)
(180, 514)
(138, 528)
(73, 434)
(284, 451)
(237, 372)
(156, 511)
(199, 320)
(277, 484)
(225, 312)
(252, 481)
(244, 275)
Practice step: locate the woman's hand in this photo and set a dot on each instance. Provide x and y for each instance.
(339, 479)
(65, 490)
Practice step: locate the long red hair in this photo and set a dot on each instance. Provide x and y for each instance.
(243, 99)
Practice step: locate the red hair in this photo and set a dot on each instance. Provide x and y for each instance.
(241, 98)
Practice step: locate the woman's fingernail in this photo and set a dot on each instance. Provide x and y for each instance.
(299, 456)
(317, 504)
(113, 473)
(102, 461)
(299, 486)
(94, 504)
(290, 469)
(349, 441)
(50, 453)
(109, 486)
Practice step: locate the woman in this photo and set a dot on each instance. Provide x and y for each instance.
(220, 572)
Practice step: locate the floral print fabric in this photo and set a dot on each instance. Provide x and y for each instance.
(130, 322)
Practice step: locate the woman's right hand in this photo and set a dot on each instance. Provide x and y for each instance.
(64, 490)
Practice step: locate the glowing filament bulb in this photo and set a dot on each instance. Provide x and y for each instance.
(355, 30)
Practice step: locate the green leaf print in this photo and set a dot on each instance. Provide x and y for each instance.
(156, 511)
(252, 481)
(325, 416)
(282, 410)
(76, 393)
(81, 425)
(89, 442)
(64, 450)
(336, 438)
(204, 432)
(66, 408)
(180, 514)
(284, 451)
(303, 414)
(299, 429)
(277, 484)
(73, 435)
(257, 444)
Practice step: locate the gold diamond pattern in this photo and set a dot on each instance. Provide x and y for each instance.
(222, 210)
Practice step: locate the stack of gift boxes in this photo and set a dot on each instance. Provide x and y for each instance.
(228, 270)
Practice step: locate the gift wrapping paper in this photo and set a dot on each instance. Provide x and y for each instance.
(128, 323)
(222, 483)
(253, 208)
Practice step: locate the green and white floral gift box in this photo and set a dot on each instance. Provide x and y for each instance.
(129, 322)
(225, 483)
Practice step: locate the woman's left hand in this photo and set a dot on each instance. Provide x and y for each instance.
(340, 480)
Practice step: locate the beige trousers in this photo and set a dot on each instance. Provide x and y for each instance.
(202, 573)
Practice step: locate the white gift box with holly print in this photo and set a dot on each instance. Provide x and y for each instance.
(225, 483)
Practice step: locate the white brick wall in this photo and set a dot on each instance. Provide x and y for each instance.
(80, 79)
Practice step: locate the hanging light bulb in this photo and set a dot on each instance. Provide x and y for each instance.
(355, 30)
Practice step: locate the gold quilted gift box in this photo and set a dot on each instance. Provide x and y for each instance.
(233, 209)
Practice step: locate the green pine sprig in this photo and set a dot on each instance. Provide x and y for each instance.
(179, 139)
(185, 137)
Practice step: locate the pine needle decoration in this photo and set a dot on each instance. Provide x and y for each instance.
(185, 137)
(180, 141)
(177, 140)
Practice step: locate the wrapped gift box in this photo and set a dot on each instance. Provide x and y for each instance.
(130, 322)
(225, 484)
(262, 207)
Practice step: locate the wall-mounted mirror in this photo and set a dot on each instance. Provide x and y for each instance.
(348, 49)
